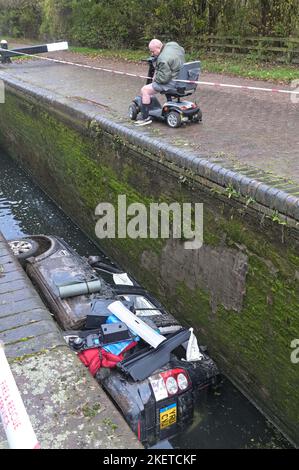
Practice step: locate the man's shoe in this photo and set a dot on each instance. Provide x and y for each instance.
(143, 122)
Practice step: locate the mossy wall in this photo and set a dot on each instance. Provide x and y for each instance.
(240, 290)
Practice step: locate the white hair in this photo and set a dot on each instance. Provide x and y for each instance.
(155, 43)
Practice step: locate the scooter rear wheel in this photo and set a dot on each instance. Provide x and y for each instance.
(174, 119)
(133, 111)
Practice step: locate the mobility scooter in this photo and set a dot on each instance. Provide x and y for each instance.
(173, 112)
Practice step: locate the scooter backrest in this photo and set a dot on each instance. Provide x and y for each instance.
(189, 71)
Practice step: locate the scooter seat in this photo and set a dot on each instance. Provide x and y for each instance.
(189, 71)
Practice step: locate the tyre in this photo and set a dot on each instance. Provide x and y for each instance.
(174, 119)
(24, 248)
(133, 111)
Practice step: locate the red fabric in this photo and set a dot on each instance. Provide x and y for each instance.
(95, 358)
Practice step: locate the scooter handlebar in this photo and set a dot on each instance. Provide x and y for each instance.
(149, 60)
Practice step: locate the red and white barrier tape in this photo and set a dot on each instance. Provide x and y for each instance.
(223, 85)
(242, 87)
(15, 420)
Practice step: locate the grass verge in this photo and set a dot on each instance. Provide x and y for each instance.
(238, 66)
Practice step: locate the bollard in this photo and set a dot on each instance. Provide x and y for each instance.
(4, 44)
(4, 58)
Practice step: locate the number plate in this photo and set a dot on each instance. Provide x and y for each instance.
(168, 416)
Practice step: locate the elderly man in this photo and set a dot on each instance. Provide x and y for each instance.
(170, 58)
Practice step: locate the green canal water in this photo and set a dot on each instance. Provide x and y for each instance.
(223, 420)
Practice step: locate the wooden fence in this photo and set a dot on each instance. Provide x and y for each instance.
(279, 49)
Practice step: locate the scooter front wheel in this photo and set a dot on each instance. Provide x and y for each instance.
(133, 111)
(174, 119)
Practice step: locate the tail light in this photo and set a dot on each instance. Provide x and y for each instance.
(169, 383)
(182, 381)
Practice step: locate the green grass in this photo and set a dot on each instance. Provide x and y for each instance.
(124, 54)
(241, 67)
(251, 68)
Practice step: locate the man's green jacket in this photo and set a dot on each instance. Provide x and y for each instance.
(169, 62)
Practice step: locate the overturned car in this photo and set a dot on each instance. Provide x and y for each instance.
(150, 366)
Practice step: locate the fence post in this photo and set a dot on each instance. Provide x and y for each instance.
(260, 49)
(289, 55)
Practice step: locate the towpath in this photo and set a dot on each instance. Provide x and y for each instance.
(255, 130)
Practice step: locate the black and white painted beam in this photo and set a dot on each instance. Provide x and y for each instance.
(32, 50)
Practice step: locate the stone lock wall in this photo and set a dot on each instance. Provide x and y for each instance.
(240, 290)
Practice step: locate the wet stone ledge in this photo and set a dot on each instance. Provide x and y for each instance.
(66, 406)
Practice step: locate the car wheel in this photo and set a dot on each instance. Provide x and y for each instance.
(24, 248)
(133, 111)
(174, 119)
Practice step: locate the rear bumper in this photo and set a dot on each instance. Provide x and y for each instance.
(184, 112)
(145, 414)
(188, 112)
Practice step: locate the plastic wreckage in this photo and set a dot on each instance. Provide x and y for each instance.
(150, 366)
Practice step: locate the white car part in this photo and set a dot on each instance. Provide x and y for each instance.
(144, 307)
(122, 279)
(135, 324)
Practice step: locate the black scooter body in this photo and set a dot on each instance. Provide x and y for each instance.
(173, 112)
